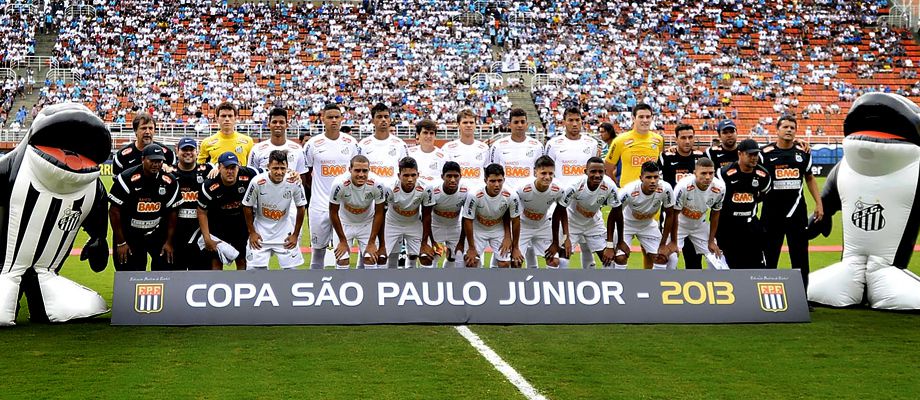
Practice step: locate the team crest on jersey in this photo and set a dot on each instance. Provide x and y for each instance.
(70, 220)
(433, 165)
(772, 296)
(148, 298)
(161, 191)
(286, 195)
(798, 158)
(755, 183)
(868, 217)
(241, 189)
(239, 149)
(392, 151)
(199, 178)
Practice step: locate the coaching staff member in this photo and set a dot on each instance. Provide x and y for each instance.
(740, 234)
(143, 214)
(220, 208)
(191, 177)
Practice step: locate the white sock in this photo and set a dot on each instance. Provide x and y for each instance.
(319, 255)
(563, 263)
(382, 266)
(660, 266)
(587, 259)
(619, 266)
(253, 267)
(531, 258)
(672, 261)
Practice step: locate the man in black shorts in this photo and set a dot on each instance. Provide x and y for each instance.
(220, 209)
(191, 177)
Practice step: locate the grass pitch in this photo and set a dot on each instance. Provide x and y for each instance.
(853, 353)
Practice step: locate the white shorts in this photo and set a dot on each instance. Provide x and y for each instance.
(357, 233)
(493, 241)
(395, 234)
(537, 238)
(699, 236)
(287, 258)
(649, 236)
(594, 243)
(449, 236)
(320, 229)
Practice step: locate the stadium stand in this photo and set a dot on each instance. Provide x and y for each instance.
(17, 40)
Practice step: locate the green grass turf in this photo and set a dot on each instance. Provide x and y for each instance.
(841, 354)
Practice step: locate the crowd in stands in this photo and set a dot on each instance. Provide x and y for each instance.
(693, 61)
(17, 40)
(179, 59)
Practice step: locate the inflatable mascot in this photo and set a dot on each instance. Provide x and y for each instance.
(49, 188)
(876, 186)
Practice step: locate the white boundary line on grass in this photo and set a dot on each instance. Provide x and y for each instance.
(490, 355)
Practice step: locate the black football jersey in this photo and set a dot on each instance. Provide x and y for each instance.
(675, 166)
(743, 190)
(721, 157)
(788, 169)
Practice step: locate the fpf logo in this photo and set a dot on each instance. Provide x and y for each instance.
(772, 296)
(148, 298)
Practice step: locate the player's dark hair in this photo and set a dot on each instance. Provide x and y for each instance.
(277, 112)
(278, 155)
(608, 128)
(571, 110)
(650, 166)
(786, 118)
(682, 127)
(142, 118)
(517, 112)
(425, 124)
(227, 106)
(544, 161)
(450, 166)
(640, 107)
(494, 169)
(358, 158)
(593, 160)
(379, 108)
(330, 106)
(408, 162)
(704, 162)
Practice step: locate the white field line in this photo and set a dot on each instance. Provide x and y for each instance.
(510, 373)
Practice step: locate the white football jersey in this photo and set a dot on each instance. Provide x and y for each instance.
(384, 155)
(570, 157)
(692, 203)
(447, 207)
(271, 203)
(258, 156)
(356, 203)
(488, 211)
(328, 159)
(517, 158)
(584, 205)
(471, 157)
(536, 204)
(405, 208)
(639, 207)
(429, 164)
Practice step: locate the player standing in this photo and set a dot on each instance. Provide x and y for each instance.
(471, 154)
(327, 156)
(583, 201)
(641, 201)
(356, 211)
(740, 233)
(726, 152)
(227, 138)
(430, 159)
(383, 149)
(516, 153)
(277, 127)
(485, 225)
(267, 204)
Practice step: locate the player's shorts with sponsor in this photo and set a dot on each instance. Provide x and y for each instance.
(320, 228)
(395, 234)
(538, 236)
(449, 234)
(593, 233)
(287, 258)
(697, 232)
(646, 231)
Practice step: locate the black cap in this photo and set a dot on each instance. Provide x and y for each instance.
(154, 152)
(749, 146)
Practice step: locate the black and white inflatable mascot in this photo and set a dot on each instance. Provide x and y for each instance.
(49, 188)
(876, 186)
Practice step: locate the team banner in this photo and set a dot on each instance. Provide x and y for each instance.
(457, 296)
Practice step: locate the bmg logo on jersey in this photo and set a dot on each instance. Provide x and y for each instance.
(868, 217)
(148, 298)
(772, 296)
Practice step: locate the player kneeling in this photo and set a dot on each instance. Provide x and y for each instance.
(641, 200)
(485, 223)
(583, 201)
(352, 216)
(405, 199)
(267, 204)
(693, 196)
(537, 198)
